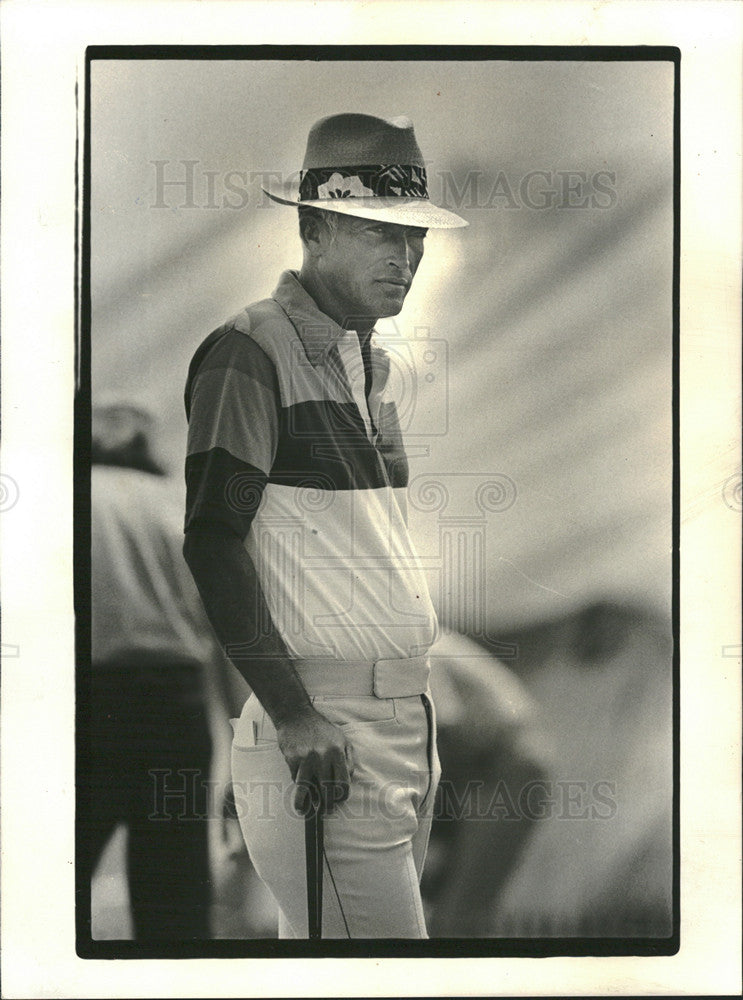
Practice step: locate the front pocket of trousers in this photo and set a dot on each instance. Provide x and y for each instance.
(353, 713)
(264, 738)
(253, 730)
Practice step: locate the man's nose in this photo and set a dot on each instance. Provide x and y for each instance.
(403, 255)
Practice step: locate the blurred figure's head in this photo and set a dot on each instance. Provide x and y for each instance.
(122, 435)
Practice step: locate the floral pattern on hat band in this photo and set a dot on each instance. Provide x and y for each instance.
(339, 186)
(377, 180)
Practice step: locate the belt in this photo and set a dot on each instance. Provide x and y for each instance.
(398, 678)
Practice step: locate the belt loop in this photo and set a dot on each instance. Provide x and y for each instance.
(401, 678)
(384, 678)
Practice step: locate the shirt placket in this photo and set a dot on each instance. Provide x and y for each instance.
(352, 375)
(380, 366)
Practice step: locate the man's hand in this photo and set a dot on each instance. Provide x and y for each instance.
(319, 756)
(320, 759)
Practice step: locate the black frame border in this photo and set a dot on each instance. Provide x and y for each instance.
(86, 947)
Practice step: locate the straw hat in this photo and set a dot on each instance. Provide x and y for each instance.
(368, 167)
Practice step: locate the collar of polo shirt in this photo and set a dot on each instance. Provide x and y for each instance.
(317, 331)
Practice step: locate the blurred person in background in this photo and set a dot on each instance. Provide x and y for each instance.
(493, 749)
(155, 694)
(600, 860)
(554, 816)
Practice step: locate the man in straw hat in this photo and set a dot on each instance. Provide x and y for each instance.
(296, 535)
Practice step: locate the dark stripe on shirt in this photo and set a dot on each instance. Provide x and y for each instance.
(220, 489)
(227, 347)
(327, 439)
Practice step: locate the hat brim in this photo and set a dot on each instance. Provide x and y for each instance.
(399, 210)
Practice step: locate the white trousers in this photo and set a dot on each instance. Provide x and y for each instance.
(374, 843)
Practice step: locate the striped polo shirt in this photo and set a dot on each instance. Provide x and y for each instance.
(288, 449)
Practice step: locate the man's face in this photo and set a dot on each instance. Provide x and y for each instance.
(369, 266)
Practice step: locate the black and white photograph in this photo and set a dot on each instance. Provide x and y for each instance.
(370, 498)
(381, 386)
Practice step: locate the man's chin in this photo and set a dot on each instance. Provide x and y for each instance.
(390, 305)
(390, 298)
(390, 310)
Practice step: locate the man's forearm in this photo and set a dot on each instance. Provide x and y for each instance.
(235, 604)
(317, 753)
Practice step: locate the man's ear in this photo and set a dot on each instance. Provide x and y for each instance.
(313, 233)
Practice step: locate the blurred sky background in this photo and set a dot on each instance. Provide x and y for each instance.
(551, 327)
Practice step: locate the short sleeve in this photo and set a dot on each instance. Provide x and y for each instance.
(233, 406)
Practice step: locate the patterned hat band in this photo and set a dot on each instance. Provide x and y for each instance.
(380, 180)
